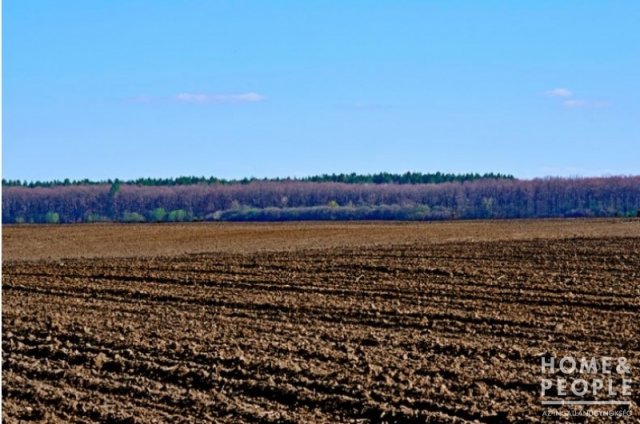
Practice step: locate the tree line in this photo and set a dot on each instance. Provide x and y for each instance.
(307, 200)
(352, 178)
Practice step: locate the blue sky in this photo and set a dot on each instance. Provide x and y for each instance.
(105, 89)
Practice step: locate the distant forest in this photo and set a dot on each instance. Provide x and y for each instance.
(353, 178)
(328, 197)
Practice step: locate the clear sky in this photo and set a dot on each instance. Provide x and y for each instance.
(131, 88)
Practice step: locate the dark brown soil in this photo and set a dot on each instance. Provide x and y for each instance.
(380, 330)
(128, 240)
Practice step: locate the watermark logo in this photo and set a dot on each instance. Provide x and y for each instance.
(601, 381)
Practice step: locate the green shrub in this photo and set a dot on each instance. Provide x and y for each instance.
(177, 215)
(95, 217)
(158, 214)
(132, 217)
(52, 217)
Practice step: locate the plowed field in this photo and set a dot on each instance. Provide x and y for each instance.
(443, 322)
